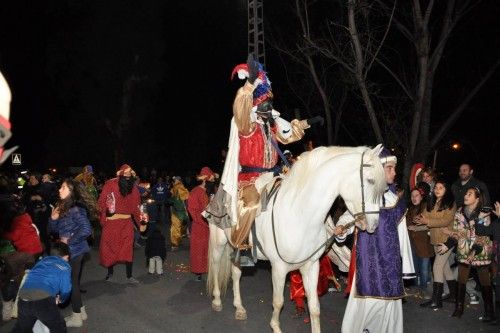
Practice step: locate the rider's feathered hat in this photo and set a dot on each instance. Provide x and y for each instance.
(263, 90)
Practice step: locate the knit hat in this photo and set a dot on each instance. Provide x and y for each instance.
(263, 90)
(206, 173)
(88, 168)
(386, 156)
(126, 171)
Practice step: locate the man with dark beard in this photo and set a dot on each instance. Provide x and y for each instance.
(119, 204)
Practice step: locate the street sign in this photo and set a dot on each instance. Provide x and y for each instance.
(16, 159)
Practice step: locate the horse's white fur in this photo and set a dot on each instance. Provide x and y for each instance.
(302, 204)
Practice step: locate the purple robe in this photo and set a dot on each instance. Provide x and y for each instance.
(378, 257)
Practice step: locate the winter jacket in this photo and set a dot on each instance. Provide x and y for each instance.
(76, 227)
(156, 246)
(474, 236)
(51, 274)
(24, 235)
(437, 220)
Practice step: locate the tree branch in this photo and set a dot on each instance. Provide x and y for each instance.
(396, 78)
(458, 111)
(382, 41)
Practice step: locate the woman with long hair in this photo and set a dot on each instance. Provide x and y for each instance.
(70, 219)
(419, 235)
(472, 231)
(438, 215)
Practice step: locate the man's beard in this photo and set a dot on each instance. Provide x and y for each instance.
(126, 185)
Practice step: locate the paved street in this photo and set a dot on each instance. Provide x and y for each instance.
(175, 302)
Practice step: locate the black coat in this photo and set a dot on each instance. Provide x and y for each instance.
(156, 246)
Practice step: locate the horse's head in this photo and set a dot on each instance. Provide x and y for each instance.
(363, 189)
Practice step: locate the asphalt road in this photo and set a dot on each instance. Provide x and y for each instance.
(175, 302)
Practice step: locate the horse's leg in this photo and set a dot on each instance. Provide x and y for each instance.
(278, 275)
(310, 272)
(216, 249)
(241, 313)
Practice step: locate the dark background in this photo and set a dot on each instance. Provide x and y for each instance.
(66, 62)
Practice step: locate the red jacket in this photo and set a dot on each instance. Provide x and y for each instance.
(24, 235)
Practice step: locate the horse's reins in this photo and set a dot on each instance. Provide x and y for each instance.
(357, 216)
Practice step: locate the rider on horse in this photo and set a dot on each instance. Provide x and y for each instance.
(253, 150)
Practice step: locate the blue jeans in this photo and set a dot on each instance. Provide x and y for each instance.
(422, 267)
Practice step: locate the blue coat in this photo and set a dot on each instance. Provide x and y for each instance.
(76, 227)
(51, 274)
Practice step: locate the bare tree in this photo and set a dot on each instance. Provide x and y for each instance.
(393, 52)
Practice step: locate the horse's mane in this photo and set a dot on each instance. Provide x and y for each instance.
(308, 162)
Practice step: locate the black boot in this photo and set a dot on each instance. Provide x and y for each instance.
(489, 310)
(459, 304)
(452, 286)
(435, 301)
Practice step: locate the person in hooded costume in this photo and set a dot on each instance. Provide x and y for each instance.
(119, 203)
(179, 216)
(196, 203)
(378, 263)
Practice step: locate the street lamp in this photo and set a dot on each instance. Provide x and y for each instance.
(456, 146)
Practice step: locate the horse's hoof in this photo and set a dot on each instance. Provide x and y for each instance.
(217, 307)
(240, 315)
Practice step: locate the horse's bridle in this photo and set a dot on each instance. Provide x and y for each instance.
(363, 212)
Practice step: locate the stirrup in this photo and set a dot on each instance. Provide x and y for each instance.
(242, 258)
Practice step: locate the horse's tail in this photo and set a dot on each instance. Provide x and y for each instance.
(224, 263)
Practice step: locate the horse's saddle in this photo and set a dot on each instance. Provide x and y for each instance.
(268, 192)
(216, 211)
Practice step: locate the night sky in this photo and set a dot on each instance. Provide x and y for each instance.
(66, 62)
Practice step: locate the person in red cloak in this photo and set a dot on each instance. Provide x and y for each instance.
(119, 203)
(196, 203)
(297, 291)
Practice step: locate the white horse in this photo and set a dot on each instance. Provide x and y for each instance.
(291, 232)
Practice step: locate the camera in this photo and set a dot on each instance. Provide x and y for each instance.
(486, 209)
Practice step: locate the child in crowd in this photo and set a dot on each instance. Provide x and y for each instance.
(156, 251)
(47, 284)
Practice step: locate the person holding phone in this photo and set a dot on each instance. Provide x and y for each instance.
(472, 232)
